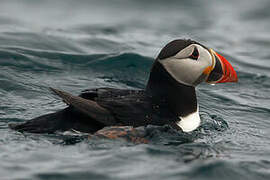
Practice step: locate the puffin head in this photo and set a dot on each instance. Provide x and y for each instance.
(180, 66)
(190, 63)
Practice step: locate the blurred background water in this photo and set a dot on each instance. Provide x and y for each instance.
(74, 45)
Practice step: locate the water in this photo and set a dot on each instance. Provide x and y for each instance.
(74, 45)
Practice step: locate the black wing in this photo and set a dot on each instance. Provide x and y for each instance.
(106, 106)
(132, 107)
(88, 107)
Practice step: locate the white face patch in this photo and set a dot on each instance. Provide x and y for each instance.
(186, 70)
(190, 122)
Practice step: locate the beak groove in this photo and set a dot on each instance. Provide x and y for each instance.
(222, 72)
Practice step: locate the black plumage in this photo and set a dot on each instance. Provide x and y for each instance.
(126, 107)
(162, 102)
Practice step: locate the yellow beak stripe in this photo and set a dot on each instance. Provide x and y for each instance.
(209, 69)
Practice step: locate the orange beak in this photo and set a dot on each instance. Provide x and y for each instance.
(222, 71)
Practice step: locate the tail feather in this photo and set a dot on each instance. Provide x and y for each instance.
(62, 120)
(48, 123)
(82, 115)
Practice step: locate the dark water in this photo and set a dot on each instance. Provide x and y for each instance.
(74, 45)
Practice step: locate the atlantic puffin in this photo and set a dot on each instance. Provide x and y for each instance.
(168, 99)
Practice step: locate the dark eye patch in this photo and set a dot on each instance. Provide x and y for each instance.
(195, 54)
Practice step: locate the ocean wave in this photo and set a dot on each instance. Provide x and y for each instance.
(126, 68)
(112, 60)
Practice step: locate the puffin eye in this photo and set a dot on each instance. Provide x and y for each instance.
(195, 54)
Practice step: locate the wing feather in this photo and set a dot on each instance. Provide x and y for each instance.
(88, 107)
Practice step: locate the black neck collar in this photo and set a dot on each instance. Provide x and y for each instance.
(162, 87)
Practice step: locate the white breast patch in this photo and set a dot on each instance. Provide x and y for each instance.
(190, 122)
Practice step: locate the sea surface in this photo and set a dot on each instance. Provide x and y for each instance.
(75, 45)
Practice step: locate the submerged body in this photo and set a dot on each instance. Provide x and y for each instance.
(169, 97)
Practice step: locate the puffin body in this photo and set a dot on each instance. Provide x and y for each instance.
(169, 97)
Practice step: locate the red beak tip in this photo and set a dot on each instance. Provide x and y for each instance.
(229, 74)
